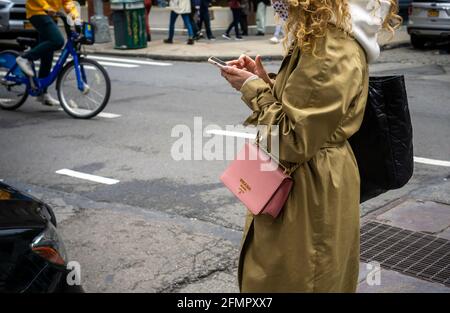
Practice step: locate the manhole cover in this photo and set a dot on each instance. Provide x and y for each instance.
(412, 253)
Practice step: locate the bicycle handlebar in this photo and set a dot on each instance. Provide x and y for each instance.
(67, 27)
(63, 17)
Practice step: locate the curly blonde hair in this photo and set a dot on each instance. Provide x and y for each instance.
(308, 20)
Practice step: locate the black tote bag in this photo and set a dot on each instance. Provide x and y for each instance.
(383, 145)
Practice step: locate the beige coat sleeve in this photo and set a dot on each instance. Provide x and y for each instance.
(314, 101)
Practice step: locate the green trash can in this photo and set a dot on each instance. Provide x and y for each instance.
(129, 24)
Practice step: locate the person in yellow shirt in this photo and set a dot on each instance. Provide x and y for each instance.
(41, 14)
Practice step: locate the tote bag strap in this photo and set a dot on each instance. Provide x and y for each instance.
(286, 170)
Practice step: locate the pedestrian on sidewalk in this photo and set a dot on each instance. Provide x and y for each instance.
(235, 6)
(245, 6)
(205, 18)
(317, 101)
(278, 34)
(183, 8)
(148, 7)
(194, 16)
(261, 10)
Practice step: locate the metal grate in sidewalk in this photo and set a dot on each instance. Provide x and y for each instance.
(412, 253)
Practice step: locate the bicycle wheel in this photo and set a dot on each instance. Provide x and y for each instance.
(12, 94)
(97, 89)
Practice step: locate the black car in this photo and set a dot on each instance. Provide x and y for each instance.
(32, 254)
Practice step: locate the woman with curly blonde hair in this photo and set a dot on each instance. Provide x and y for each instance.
(317, 100)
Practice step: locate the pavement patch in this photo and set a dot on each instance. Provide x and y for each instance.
(169, 196)
(122, 252)
(422, 216)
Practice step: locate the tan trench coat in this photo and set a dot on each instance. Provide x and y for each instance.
(313, 245)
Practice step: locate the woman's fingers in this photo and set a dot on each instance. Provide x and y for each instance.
(247, 62)
(258, 63)
(242, 60)
(230, 70)
(261, 70)
(234, 62)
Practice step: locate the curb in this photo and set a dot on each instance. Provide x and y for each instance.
(401, 44)
(179, 58)
(204, 58)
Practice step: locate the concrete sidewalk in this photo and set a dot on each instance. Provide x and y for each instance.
(422, 214)
(222, 48)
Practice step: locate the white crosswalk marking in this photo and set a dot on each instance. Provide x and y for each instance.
(122, 62)
(113, 64)
(95, 57)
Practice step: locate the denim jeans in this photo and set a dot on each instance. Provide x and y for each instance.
(187, 23)
(50, 40)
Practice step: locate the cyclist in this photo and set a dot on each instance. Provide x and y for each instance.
(41, 14)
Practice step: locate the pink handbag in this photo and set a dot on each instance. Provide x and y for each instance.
(262, 192)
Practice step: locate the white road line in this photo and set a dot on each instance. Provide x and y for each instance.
(101, 114)
(432, 162)
(130, 61)
(231, 133)
(122, 60)
(108, 64)
(252, 136)
(88, 67)
(118, 64)
(94, 178)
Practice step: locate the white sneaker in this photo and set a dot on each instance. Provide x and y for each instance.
(47, 99)
(274, 40)
(25, 66)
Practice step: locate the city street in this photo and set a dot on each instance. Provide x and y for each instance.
(154, 224)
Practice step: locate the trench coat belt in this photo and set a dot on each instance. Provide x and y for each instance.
(333, 144)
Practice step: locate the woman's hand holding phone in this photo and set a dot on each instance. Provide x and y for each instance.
(253, 66)
(235, 76)
(236, 72)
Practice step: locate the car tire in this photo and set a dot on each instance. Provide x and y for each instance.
(417, 42)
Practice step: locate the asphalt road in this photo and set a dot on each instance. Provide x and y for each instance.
(135, 149)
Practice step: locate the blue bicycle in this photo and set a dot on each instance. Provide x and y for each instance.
(83, 85)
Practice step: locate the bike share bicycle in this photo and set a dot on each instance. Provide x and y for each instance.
(83, 85)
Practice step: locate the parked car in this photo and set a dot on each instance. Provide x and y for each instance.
(429, 21)
(32, 254)
(13, 21)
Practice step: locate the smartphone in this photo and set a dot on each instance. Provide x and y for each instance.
(217, 62)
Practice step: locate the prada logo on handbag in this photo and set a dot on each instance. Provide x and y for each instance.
(244, 186)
